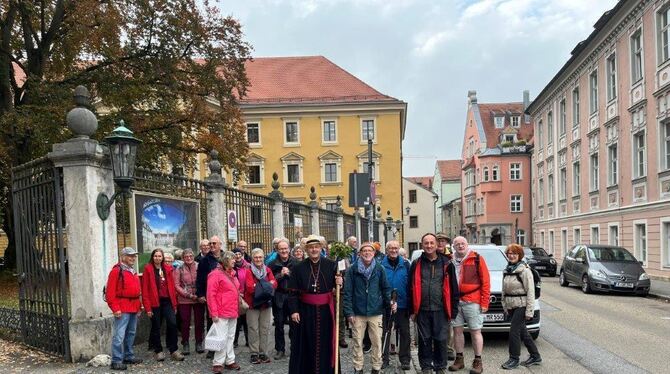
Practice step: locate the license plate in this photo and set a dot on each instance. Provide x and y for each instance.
(624, 285)
(540, 267)
(494, 317)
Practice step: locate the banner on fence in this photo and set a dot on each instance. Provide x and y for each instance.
(232, 226)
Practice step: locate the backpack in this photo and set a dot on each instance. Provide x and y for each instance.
(537, 282)
(104, 288)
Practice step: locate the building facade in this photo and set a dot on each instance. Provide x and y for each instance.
(310, 120)
(446, 185)
(452, 220)
(496, 197)
(602, 149)
(419, 215)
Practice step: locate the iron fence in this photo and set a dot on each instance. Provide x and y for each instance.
(328, 225)
(10, 319)
(254, 218)
(297, 221)
(349, 225)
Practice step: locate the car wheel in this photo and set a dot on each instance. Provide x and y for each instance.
(535, 334)
(586, 286)
(644, 294)
(562, 281)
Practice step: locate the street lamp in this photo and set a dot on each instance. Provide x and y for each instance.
(407, 210)
(123, 153)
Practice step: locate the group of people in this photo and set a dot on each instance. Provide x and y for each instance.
(443, 290)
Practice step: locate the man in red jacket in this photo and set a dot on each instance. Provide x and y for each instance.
(123, 297)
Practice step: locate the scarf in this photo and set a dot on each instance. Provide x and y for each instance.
(366, 271)
(511, 268)
(259, 273)
(127, 268)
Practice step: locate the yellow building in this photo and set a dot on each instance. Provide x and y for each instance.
(309, 120)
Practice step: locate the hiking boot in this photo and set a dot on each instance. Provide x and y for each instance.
(233, 366)
(132, 361)
(185, 349)
(477, 366)
(458, 364)
(532, 360)
(199, 348)
(254, 359)
(177, 356)
(264, 359)
(118, 366)
(512, 363)
(160, 356)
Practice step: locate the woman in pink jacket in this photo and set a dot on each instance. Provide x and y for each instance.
(187, 302)
(223, 295)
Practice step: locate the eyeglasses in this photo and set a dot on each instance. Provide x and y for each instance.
(214, 243)
(512, 254)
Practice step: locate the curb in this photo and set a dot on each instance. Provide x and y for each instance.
(665, 298)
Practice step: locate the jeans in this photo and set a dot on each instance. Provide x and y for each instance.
(433, 330)
(163, 312)
(518, 333)
(123, 337)
(198, 310)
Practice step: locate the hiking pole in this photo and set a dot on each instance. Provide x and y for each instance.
(388, 326)
(341, 265)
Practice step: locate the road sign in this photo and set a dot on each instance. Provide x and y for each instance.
(232, 226)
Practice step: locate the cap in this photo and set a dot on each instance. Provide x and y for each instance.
(313, 239)
(128, 251)
(441, 235)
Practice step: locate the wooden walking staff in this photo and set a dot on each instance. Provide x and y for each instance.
(341, 266)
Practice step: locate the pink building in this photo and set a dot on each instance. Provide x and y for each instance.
(496, 177)
(602, 148)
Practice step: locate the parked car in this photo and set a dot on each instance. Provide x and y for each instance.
(494, 319)
(604, 268)
(540, 260)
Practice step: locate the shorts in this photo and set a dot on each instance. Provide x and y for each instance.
(470, 313)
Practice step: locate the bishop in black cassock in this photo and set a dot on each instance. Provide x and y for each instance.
(311, 305)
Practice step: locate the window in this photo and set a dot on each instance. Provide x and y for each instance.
(520, 237)
(562, 183)
(254, 176)
(540, 192)
(611, 77)
(613, 237)
(515, 171)
(665, 144)
(367, 129)
(291, 133)
(551, 241)
(665, 242)
(594, 172)
(636, 56)
(564, 242)
(639, 159)
(516, 121)
(331, 206)
(612, 165)
(509, 138)
(575, 178)
(485, 178)
(640, 230)
(577, 235)
(329, 131)
(256, 215)
(412, 196)
(330, 170)
(575, 107)
(413, 222)
(413, 246)
(496, 174)
(293, 173)
(499, 122)
(540, 134)
(562, 117)
(595, 234)
(542, 242)
(253, 133)
(515, 203)
(550, 187)
(550, 128)
(593, 92)
(663, 35)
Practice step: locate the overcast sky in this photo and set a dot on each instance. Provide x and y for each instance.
(427, 53)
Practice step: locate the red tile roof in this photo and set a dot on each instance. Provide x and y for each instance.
(309, 79)
(488, 111)
(426, 182)
(450, 170)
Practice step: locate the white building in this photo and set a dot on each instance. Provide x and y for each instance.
(419, 215)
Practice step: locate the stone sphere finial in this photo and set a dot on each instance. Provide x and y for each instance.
(80, 120)
(275, 181)
(338, 202)
(214, 164)
(312, 193)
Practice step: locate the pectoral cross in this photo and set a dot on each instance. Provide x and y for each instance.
(314, 286)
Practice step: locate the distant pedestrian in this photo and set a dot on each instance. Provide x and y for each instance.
(188, 304)
(403, 253)
(298, 253)
(123, 297)
(223, 295)
(204, 249)
(244, 247)
(160, 302)
(259, 288)
(179, 258)
(240, 267)
(397, 274)
(518, 300)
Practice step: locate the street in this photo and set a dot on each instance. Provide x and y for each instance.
(580, 334)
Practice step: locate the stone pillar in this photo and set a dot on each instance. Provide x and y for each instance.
(340, 220)
(91, 242)
(217, 215)
(277, 208)
(314, 211)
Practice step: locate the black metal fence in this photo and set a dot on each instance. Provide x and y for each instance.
(297, 221)
(254, 218)
(328, 224)
(10, 319)
(37, 193)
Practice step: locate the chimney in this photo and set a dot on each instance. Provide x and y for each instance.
(472, 97)
(526, 103)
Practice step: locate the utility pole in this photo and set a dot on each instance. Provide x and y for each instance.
(371, 179)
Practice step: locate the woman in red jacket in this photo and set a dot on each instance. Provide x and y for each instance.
(259, 315)
(160, 302)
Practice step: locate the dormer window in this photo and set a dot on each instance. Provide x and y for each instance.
(516, 121)
(499, 122)
(509, 138)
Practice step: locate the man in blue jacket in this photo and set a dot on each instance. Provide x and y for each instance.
(366, 294)
(397, 274)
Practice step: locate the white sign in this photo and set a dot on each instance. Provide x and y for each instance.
(232, 225)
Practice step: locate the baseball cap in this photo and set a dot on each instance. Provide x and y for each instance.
(128, 251)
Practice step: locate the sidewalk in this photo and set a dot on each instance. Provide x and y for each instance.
(660, 288)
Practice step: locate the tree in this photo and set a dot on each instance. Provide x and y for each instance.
(171, 69)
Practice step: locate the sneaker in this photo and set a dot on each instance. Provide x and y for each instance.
(118, 366)
(512, 363)
(264, 358)
(177, 356)
(185, 349)
(199, 348)
(254, 359)
(233, 366)
(477, 366)
(458, 364)
(160, 356)
(280, 355)
(532, 360)
(132, 361)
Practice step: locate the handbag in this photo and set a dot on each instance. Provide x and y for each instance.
(215, 339)
(242, 306)
(263, 293)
